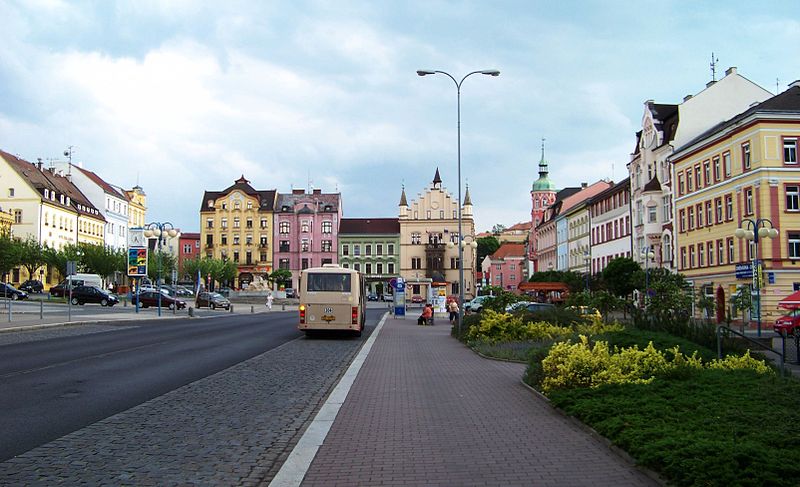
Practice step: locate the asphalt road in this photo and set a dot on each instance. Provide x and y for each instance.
(51, 387)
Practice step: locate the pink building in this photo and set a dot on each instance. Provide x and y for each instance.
(506, 267)
(188, 248)
(306, 230)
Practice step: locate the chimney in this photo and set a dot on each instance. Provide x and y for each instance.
(584, 185)
(794, 84)
(298, 191)
(39, 163)
(731, 70)
(708, 85)
(687, 97)
(317, 191)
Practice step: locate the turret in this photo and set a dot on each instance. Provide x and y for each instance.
(403, 206)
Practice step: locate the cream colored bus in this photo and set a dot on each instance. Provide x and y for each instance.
(332, 298)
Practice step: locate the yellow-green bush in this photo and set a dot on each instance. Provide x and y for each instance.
(571, 365)
(504, 327)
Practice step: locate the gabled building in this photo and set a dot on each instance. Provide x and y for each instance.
(306, 228)
(742, 173)
(665, 127)
(137, 206)
(371, 246)
(428, 265)
(506, 267)
(236, 224)
(610, 225)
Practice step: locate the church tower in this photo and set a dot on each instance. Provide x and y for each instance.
(543, 194)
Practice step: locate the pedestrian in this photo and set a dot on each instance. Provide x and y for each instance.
(269, 301)
(452, 307)
(427, 313)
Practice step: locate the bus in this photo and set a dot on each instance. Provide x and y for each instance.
(332, 298)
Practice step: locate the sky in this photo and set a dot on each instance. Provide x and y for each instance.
(185, 96)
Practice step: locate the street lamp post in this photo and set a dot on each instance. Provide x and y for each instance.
(587, 259)
(463, 244)
(647, 255)
(161, 231)
(753, 230)
(487, 72)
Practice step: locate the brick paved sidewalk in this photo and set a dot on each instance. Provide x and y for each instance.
(425, 410)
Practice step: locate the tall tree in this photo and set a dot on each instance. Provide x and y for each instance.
(281, 276)
(9, 253)
(102, 260)
(31, 256)
(620, 276)
(487, 246)
(160, 263)
(57, 259)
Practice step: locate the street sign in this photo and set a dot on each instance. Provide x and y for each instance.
(137, 262)
(744, 271)
(136, 238)
(771, 277)
(71, 267)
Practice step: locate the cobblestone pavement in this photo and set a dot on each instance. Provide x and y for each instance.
(425, 410)
(232, 428)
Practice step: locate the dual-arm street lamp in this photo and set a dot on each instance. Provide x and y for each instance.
(162, 232)
(753, 230)
(647, 255)
(487, 72)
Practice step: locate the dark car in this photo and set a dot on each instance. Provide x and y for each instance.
(150, 298)
(539, 307)
(32, 286)
(290, 293)
(90, 294)
(212, 300)
(10, 292)
(372, 297)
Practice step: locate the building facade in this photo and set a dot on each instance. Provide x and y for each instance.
(427, 263)
(742, 173)
(371, 246)
(306, 228)
(236, 224)
(543, 195)
(189, 248)
(610, 225)
(506, 267)
(664, 128)
(137, 206)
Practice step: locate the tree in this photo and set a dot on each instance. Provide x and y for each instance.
(498, 229)
(102, 260)
(619, 276)
(31, 256)
(486, 246)
(574, 281)
(160, 263)
(57, 259)
(9, 254)
(669, 296)
(281, 277)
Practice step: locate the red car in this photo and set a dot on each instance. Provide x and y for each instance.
(788, 325)
(150, 298)
(417, 299)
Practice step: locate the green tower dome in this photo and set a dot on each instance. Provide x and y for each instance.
(543, 183)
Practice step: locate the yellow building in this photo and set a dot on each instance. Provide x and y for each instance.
(427, 225)
(743, 173)
(6, 221)
(137, 207)
(236, 224)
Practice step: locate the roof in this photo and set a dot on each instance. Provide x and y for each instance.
(467, 199)
(266, 198)
(436, 177)
(620, 186)
(403, 200)
(100, 182)
(519, 226)
(509, 250)
(652, 185)
(787, 102)
(373, 226)
(325, 202)
(190, 235)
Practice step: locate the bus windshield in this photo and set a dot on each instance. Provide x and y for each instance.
(329, 282)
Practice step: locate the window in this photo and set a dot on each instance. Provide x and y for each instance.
(236, 240)
(792, 198)
(745, 158)
(345, 249)
(17, 216)
(236, 205)
(304, 226)
(390, 249)
(701, 255)
(248, 239)
(681, 187)
(710, 253)
(682, 221)
(390, 267)
(263, 257)
(666, 208)
(283, 246)
(709, 213)
(304, 245)
(263, 241)
(688, 180)
(236, 256)
(416, 263)
(327, 226)
(224, 223)
(283, 263)
(368, 268)
(652, 217)
(327, 245)
(249, 205)
(794, 245)
(416, 238)
(441, 214)
(691, 218)
(210, 203)
(683, 257)
(249, 223)
(368, 249)
(706, 173)
(224, 239)
(717, 173)
(718, 209)
(429, 214)
(699, 208)
(209, 240)
(284, 227)
(263, 223)
(692, 259)
(728, 207)
(790, 151)
(666, 256)
(356, 250)
(379, 250)
(11, 192)
(720, 252)
(731, 258)
(209, 223)
(748, 201)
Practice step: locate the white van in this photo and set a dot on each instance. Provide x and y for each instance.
(86, 280)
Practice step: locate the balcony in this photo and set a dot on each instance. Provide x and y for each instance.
(209, 245)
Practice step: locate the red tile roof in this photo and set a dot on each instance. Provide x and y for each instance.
(101, 182)
(509, 250)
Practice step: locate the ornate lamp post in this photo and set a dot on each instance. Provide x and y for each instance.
(647, 255)
(754, 230)
(487, 72)
(161, 231)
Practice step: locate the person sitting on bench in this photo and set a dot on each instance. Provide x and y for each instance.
(426, 318)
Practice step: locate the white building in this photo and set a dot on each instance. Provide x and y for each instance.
(666, 127)
(611, 225)
(112, 203)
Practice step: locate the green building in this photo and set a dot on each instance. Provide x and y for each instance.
(372, 247)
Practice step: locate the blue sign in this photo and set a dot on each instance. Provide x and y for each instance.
(744, 271)
(771, 277)
(400, 297)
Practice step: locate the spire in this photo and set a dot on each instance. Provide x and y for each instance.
(543, 183)
(242, 180)
(467, 199)
(403, 201)
(436, 178)
(542, 162)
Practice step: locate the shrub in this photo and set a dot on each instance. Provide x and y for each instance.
(503, 327)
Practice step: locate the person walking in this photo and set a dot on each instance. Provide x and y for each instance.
(452, 307)
(269, 301)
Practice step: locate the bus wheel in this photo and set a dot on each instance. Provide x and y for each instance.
(357, 333)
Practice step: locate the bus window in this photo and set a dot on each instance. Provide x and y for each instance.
(329, 282)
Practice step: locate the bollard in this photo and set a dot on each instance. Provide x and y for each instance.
(41, 310)
(191, 311)
(283, 307)
(252, 310)
(230, 309)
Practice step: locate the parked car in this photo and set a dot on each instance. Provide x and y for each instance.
(417, 299)
(386, 297)
(150, 298)
(10, 292)
(212, 300)
(290, 293)
(92, 294)
(62, 288)
(32, 286)
(372, 297)
(538, 307)
(517, 306)
(789, 324)
(476, 304)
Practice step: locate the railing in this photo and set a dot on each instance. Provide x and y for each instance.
(781, 354)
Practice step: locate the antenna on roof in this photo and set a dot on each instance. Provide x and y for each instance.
(777, 86)
(714, 61)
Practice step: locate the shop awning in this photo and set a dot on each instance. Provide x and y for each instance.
(791, 301)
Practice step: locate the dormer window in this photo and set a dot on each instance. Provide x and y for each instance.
(211, 203)
(47, 193)
(61, 198)
(68, 200)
